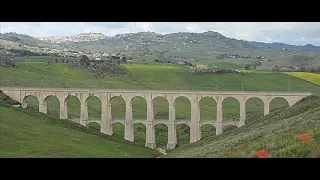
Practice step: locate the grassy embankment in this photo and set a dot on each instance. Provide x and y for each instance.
(28, 133)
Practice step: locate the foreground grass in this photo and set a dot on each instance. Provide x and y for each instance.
(277, 132)
(311, 77)
(29, 134)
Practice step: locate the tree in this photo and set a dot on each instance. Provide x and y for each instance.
(84, 59)
(247, 67)
(276, 68)
(312, 70)
(123, 59)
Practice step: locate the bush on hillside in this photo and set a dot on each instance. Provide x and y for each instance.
(84, 60)
(5, 61)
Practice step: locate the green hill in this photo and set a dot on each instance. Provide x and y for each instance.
(27, 133)
(32, 74)
(277, 132)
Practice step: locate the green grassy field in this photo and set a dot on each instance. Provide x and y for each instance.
(32, 74)
(277, 132)
(28, 133)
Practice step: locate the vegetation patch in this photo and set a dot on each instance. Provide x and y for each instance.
(275, 135)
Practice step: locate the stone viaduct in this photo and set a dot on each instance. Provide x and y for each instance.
(106, 122)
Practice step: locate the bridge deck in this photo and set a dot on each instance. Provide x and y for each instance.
(152, 91)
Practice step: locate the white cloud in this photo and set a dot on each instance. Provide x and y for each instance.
(286, 32)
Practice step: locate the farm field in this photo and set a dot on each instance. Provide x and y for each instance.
(311, 77)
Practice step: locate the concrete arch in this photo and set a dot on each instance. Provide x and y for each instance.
(118, 107)
(157, 123)
(139, 133)
(254, 107)
(51, 105)
(117, 122)
(94, 105)
(139, 107)
(232, 97)
(207, 96)
(254, 97)
(137, 96)
(231, 110)
(160, 108)
(208, 108)
(183, 133)
(93, 96)
(182, 105)
(181, 96)
(73, 105)
(183, 122)
(278, 102)
(159, 95)
(24, 103)
(207, 129)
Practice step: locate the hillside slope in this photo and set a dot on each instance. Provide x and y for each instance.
(277, 132)
(27, 133)
(205, 47)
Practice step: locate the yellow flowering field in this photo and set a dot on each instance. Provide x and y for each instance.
(311, 77)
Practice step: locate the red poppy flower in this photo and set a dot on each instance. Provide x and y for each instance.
(306, 137)
(262, 153)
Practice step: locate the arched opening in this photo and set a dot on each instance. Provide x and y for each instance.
(208, 109)
(118, 108)
(182, 108)
(31, 102)
(139, 108)
(139, 130)
(277, 103)
(254, 108)
(207, 130)
(160, 108)
(231, 109)
(118, 130)
(73, 106)
(53, 105)
(228, 128)
(94, 108)
(161, 131)
(183, 134)
(94, 126)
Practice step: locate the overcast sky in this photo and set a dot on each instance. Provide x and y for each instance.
(297, 33)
